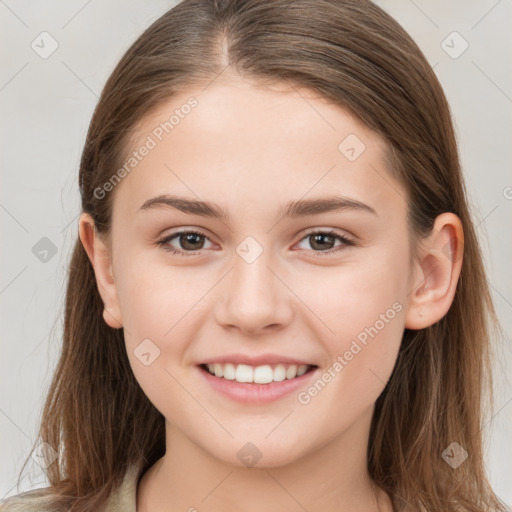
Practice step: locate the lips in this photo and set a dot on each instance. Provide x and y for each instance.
(256, 379)
(253, 392)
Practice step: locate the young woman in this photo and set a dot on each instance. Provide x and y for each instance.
(276, 299)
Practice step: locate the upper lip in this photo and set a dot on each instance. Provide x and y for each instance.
(259, 360)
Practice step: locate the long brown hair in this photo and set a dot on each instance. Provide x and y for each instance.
(96, 415)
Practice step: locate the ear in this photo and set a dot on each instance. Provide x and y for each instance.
(100, 256)
(436, 272)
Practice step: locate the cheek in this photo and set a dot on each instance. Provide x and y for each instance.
(152, 296)
(362, 356)
(156, 304)
(355, 295)
(363, 306)
(157, 308)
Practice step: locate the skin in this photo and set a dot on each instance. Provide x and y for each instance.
(251, 149)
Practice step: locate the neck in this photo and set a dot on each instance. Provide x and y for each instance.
(333, 477)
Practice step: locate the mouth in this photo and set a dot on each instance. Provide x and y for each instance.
(256, 380)
(263, 374)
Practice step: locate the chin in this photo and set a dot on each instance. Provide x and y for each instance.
(263, 454)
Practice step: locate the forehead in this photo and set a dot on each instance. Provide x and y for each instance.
(236, 142)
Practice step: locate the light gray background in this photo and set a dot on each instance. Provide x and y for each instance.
(45, 109)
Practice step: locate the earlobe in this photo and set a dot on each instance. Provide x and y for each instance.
(99, 256)
(436, 272)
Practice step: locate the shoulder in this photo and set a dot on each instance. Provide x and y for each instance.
(31, 501)
(123, 499)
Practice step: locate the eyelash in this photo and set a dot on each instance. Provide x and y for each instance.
(346, 242)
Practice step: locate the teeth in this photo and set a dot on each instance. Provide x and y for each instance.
(291, 372)
(259, 374)
(229, 371)
(279, 373)
(301, 370)
(219, 371)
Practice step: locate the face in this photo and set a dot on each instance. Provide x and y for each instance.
(314, 285)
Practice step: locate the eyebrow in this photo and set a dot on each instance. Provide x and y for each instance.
(293, 209)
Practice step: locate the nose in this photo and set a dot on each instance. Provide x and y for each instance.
(253, 297)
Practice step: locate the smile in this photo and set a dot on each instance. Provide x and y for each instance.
(257, 374)
(256, 384)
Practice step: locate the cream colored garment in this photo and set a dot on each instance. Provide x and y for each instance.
(124, 500)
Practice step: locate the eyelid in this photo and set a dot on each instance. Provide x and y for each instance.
(331, 231)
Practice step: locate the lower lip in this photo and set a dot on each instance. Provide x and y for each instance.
(250, 393)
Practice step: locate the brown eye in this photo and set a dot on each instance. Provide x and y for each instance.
(191, 241)
(324, 242)
(188, 241)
